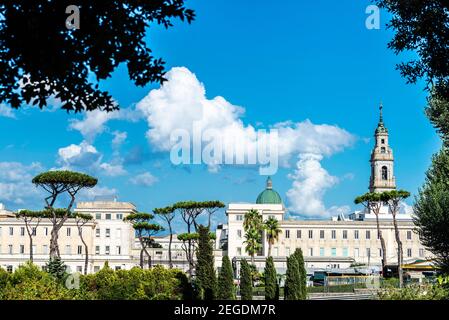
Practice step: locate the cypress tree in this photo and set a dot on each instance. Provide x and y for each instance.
(302, 274)
(205, 270)
(246, 287)
(226, 290)
(292, 281)
(271, 285)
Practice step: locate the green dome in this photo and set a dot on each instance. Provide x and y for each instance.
(269, 196)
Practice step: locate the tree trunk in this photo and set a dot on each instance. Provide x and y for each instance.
(382, 243)
(31, 247)
(86, 259)
(269, 248)
(141, 258)
(253, 260)
(399, 242)
(170, 263)
(54, 249)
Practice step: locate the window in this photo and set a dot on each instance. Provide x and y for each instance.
(356, 252)
(98, 216)
(0, 231)
(33, 248)
(421, 252)
(345, 252)
(380, 252)
(11, 231)
(239, 217)
(409, 235)
(409, 252)
(79, 269)
(334, 234)
(22, 249)
(69, 232)
(382, 150)
(382, 141)
(321, 252)
(356, 234)
(119, 216)
(10, 249)
(97, 233)
(321, 234)
(68, 249)
(45, 249)
(118, 250)
(97, 249)
(22, 231)
(108, 233)
(46, 231)
(276, 251)
(345, 234)
(287, 251)
(119, 233)
(368, 234)
(384, 173)
(80, 250)
(334, 252)
(311, 252)
(368, 252)
(107, 250)
(239, 251)
(117, 268)
(239, 234)
(298, 234)
(9, 269)
(33, 231)
(108, 216)
(96, 268)
(310, 234)
(287, 234)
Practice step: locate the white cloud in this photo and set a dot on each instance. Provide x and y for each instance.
(181, 101)
(119, 138)
(145, 179)
(87, 158)
(6, 111)
(15, 184)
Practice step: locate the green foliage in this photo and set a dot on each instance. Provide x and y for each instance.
(98, 48)
(421, 26)
(226, 288)
(292, 289)
(84, 217)
(302, 274)
(28, 282)
(432, 209)
(271, 284)
(253, 226)
(415, 292)
(246, 286)
(437, 111)
(64, 179)
(205, 270)
(56, 268)
(272, 231)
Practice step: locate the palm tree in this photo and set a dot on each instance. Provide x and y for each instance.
(272, 230)
(253, 225)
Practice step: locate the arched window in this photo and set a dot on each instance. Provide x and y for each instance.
(384, 173)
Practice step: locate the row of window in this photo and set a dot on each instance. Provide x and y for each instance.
(334, 252)
(68, 232)
(333, 234)
(109, 216)
(9, 268)
(68, 250)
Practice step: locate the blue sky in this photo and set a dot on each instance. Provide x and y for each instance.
(303, 60)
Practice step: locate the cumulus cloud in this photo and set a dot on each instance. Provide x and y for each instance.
(145, 179)
(86, 157)
(181, 102)
(119, 138)
(6, 111)
(15, 183)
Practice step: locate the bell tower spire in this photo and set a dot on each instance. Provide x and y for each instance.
(382, 160)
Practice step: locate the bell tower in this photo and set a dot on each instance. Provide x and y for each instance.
(382, 160)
